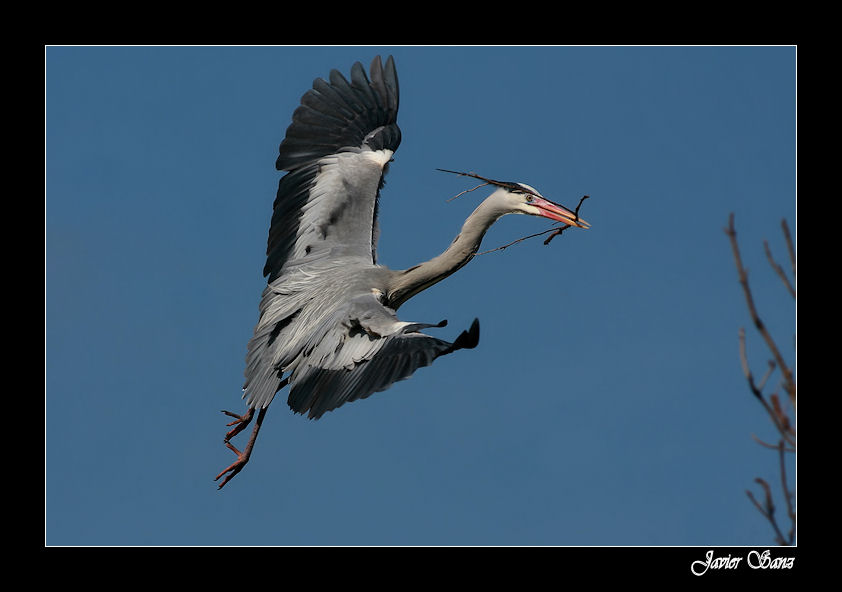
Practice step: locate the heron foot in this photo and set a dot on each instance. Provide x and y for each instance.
(240, 421)
(235, 467)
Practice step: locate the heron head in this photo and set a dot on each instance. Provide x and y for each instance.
(520, 198)
(525, 199)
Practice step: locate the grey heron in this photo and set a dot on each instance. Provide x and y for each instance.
(328, 327)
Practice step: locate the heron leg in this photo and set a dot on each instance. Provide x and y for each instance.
(242, 457)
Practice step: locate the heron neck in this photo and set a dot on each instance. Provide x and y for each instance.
(409, 282)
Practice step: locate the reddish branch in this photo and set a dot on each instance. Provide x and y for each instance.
(773, 407)
(789, 380)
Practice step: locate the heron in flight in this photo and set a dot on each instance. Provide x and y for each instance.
(328, 327)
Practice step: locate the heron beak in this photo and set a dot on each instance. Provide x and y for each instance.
(557, 212)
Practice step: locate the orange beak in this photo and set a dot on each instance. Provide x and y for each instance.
(558, 212)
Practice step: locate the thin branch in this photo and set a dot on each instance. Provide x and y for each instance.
(789, 382)
(770, 446)
(791, 251)
(556, 233)
(770, 507)
(767, 509)
(741, 336)
(782, 416)
(466, 191)
(766, 376)
(507, 245)
(757, 392)
(787, 494)
(778, 269)
(789, 245)
(773, 406)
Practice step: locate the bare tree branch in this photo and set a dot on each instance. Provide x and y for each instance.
(790, 509)
(767, 509)
(757, 391)
(773, 406)
(790, 247)
(778, 269)
(770, 446)
(789, 382)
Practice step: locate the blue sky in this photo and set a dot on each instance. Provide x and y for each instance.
(605, 404)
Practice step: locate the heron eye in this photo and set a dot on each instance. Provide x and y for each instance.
(529, 197)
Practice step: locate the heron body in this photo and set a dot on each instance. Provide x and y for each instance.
(328, 326)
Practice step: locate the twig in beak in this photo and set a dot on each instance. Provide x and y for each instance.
(555, 231)
(466, 191)
(558, 231)
(523, 238)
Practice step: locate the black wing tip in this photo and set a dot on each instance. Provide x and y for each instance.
(468, 339)
(367, 103)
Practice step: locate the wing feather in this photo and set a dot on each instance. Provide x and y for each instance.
(330, 354)
(376, 363)
(337, 126)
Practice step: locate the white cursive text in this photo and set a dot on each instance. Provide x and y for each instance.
(754, 559)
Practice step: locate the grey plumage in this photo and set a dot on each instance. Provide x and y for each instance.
(325, 327)
(328, 327)
(336, 122)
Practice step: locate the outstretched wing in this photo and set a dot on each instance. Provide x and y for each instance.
(363, 356)
(336, 150)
